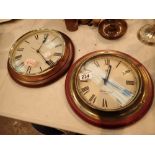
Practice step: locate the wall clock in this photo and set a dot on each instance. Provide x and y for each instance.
(109, 89)
(40, 57)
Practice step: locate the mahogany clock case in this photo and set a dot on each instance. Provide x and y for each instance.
(111, 119)
(58, 71)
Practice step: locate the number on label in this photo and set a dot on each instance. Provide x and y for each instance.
(85, 76)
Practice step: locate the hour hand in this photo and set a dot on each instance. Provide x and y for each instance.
(107, 74)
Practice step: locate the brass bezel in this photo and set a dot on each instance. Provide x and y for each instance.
(22, 38)
(101, 54)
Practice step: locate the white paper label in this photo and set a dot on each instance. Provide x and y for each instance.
(85, 76)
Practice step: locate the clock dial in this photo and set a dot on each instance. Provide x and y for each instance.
(109, 89)
(40, 57)
(107, 83)
(38, 53)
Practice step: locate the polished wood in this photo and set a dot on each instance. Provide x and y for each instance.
(71, 24)
(96, 22)
(84, 21)
(58, 71)
(112, 119)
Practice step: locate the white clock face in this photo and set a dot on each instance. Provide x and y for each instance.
(37, 53)
(107, 83)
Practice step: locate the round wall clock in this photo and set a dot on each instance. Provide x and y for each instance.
(109, 89)
(40, 57)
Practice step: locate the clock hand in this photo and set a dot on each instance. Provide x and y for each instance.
(99, 73)
(120, 93)
(49, 62)
(121, 98)
(45, 38)
(107, 74)
(41, 55)
(120, 88)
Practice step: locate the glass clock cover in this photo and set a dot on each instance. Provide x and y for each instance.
(40, 55)
(109, 88)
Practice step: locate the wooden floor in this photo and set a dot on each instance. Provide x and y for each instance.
(10, 126)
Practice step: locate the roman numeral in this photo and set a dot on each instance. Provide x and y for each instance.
(36, 36)
(107, 61)
(54, 39)
(85, 90)
(118, 64)
(18, 57)
(127, 71)
(50, 63)
(130, 82)
(45, 37)
(58, 45)
(28, 70)
(41, 69)
(104, 103)
(96, 63)
(92, 98)
(20, 49)
(27, 41)
(21, 65)
(58, 54)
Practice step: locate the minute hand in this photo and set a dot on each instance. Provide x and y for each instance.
(49, 62)
(107, 74)
(120, 88)
(45, 38)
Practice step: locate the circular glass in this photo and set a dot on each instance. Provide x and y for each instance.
(37, 52)
(107, 83)
(146, 34)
